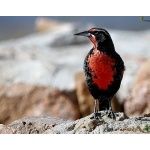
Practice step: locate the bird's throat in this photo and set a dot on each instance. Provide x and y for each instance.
(93, 40)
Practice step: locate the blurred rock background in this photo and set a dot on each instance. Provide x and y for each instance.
(41, 72)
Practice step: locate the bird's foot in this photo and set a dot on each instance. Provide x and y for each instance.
(111, 114)
(96, 115)
(96, 109)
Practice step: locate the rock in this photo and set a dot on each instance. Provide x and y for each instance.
(44, 24)
(132, 65)
(69, 39)
(27, 100)
(6, 130)
(138, 104)
(103, 125)
(85, 99)
(65, 39)
(35, 125)
(143, 72)
(117, 106)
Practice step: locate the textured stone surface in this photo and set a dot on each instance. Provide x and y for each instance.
(138, 104)
(27, 100)
(6, 130)
(143, 72)
(104, 126)
(86, 125)
(35, 125)
(132, 65)
(85, 99)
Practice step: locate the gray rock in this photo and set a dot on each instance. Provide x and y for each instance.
(35, 125)
(86, 125)
(104, 126)
(128, 79)
(23, 100)
(68, 39)
(6, 130)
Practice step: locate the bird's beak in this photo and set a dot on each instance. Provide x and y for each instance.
(85, 33)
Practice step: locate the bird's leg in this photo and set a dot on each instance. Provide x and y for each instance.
(95, 109)
(110, 112)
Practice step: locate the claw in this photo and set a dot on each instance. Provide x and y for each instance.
(111, 114)
(96, 116)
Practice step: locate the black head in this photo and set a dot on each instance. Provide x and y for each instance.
(98, 36)
(101, 35)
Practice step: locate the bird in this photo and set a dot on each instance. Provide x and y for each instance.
(103, 69)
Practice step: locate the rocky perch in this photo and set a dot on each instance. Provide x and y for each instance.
(86, 125)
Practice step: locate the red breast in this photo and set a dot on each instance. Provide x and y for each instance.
(102, 67)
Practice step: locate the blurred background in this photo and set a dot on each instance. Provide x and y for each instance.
(41, 65)
(12, 27)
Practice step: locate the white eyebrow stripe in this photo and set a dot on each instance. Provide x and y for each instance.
(97, 29)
